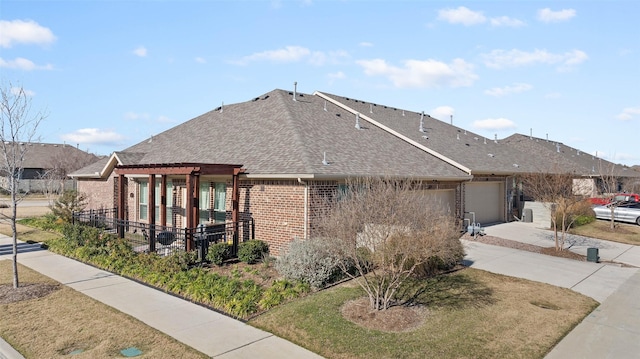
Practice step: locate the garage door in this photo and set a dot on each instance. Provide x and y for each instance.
(486, 200)
(443, 199)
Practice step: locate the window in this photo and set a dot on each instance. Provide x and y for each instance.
(143, 207)
(205, 202)
(219, 209)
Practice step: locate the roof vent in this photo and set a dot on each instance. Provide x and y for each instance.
(491, 155)
(358, 122)
(425, 137)
(421, 129)
(531, 133)
(325, 105)
(402, 112)
(295, 89)
(370, 108)
(457, 136)
(558, 147)
(495, 138)
(516, 165)
(222, 107)
(324, 159)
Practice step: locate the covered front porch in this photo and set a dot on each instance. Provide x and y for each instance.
(161, 228)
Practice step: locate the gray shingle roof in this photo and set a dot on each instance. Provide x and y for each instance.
(275, 135)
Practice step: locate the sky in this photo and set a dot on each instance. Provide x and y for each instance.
(110, 74)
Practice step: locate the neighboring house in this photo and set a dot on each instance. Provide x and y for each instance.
(46, 166)
(274, 158)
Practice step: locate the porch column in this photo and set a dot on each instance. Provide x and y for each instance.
(191, 207)
(151, 210)
(235, 208)
(122, 198)
(163, 201)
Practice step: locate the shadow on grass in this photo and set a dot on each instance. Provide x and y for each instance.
(456, 290)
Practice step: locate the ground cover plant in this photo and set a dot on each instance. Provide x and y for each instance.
(466, 314)
(237, 288)
(64, 321)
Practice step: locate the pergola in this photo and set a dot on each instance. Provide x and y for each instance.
(192, 173)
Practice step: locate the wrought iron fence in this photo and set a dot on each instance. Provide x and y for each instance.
(166, 240)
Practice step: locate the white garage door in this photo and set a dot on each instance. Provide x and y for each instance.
(486, 200)
(442, 198)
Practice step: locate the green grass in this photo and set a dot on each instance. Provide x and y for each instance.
(471, 314)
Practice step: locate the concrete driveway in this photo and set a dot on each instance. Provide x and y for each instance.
(612, 329)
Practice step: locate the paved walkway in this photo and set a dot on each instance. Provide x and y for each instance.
(209, 332)
(611, 330)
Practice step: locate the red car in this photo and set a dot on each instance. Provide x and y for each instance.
(620, 197)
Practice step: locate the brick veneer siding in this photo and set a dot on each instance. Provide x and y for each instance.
(277, 207)
(99, 193)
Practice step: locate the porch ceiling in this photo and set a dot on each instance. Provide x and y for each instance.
(179, 169)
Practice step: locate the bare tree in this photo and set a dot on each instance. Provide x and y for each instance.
(66, 160)
(387, 231)
(609, 185)
(557, 192)
(18, 128)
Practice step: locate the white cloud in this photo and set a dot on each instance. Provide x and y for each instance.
(23, 64)
(442, 112)
(24, 32)
(93, 136)
(284, 55)
(164, 119)
(337, 75)
(548, 15)
(461, 15)
(508, 90)
(420, 74)
(505, 21)
(628, 113)
(134, 116)
(494, 124)
(499, 59)
(16, 91)
(140, 51)
(200, 60)
(291, 54)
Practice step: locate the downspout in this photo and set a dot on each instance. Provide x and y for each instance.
(306, 204)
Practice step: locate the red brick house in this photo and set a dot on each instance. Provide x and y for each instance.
(273, 158)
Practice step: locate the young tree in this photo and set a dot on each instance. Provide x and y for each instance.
(609, 185)
(558, 193)
(18, 127)
(387, 231)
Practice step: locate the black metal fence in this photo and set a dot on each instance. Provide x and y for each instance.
(166, 240)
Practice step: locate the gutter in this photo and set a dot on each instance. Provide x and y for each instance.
(395, 133)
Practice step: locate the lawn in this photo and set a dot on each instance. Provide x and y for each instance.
(622, 233)
(65, 321)
(467, 314)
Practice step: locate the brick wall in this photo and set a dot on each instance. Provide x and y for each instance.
(99, 193)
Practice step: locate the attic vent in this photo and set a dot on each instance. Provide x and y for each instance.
(495, 138)
(485, 140)
(266, 97)
(558, 147)
(402, 112)
(457, 136)
(475, 138)
(295, 89)
(255, 99)
(222, 107)
(421, 129)
(346, 98)
(425, 137)
(491, 155)
(516, 165)
(337, 114)
(358, 121)
(325, 105)
(370, 108)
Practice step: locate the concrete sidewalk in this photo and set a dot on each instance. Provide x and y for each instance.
(610, 331)
(207, 331)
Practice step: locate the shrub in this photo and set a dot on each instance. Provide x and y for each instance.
(67, 203)
(310, 262)
(252, 251)
(218, 253)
